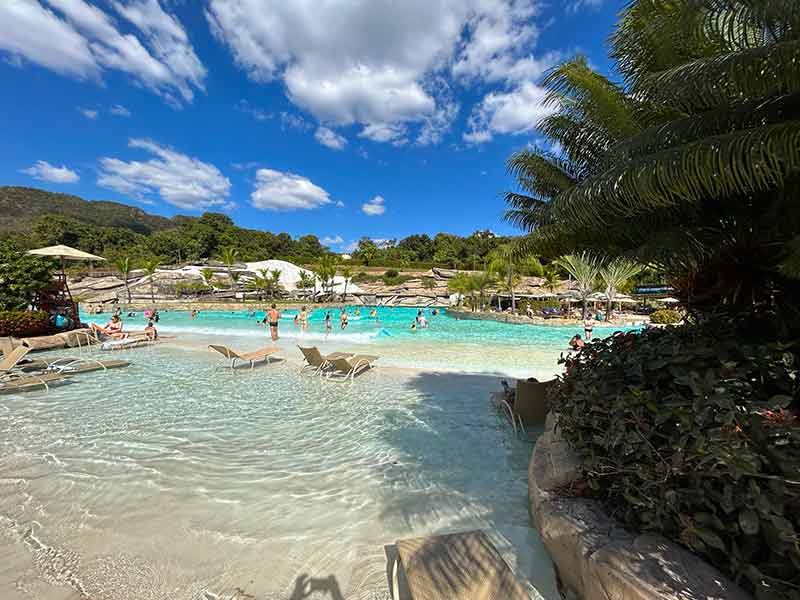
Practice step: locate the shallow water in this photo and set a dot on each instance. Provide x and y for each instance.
(178, 478)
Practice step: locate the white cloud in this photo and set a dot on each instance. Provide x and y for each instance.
(331, 139)
(276, 190)
(576, 5)
(119, 111)
(379, 64)
(374, 207)
(257, 113)
(178, 179)
(44, 171)
(514, 112)
(332, 240)
(244, 166)
(291, 121)
(79, 40)
(384, 132)
(88, 113)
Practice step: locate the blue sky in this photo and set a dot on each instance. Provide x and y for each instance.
(342, 119)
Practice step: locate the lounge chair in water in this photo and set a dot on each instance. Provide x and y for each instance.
(318, 362)
(264, 354)
(348, 368)
(11, 361)
(458, 566)
(72, 365)
(20, 381)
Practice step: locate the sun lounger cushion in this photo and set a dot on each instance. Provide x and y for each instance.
(459, 566)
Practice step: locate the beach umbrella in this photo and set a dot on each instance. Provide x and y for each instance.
(669, 300)
(64, 253)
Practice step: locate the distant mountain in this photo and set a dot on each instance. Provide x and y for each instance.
(21, 205)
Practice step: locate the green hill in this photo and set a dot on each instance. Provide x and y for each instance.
(20, 206)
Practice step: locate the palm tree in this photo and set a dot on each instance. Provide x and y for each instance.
(208, 276)
(551, 278)
(459, 284)
(689, 163)
(326, 269)
(614, 274)
(306, 280)
(275, 281)
(584, 269)
(229, 257)
(347, 273)
(260, 285)
(503, 261)
(150, 267)
(124, 266)
(481, 281)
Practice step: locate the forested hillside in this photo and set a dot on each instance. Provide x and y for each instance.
(31, 218)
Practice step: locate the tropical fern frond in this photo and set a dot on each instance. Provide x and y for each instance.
(541, 173)
(711, 82)
(734, 164)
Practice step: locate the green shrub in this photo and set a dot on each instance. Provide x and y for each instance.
(24, 323)
(391, 274)
(193, 288)
(692, 432)
(665, 316)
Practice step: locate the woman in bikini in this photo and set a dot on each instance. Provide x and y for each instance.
(113, 328)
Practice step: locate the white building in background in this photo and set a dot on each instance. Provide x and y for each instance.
(290, 276)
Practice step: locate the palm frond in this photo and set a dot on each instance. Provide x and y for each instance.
(742, 162)
(711, 82)
(540, 173)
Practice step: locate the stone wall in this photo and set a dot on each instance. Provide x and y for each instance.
(596, 558)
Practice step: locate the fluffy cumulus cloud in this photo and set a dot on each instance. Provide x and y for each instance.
(178, 179)
(331, 139)
(374, 207)
(44, 171)
(276, 190)
(79, 40)
(386, 66)
(517, 111)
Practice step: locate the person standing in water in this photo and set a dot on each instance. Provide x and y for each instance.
(303, 319)
(272, 317)
(343, 319)
(328, 323)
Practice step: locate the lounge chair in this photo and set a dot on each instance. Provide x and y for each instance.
(458, 566)
(72, 365)
(11, 361)
(264, 354)
(318, 362)
(15, 382)
(348, 368)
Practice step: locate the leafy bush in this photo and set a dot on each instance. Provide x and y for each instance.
(692, 432)
(22, 277)
(391, 274)
(665, 316)
(192, 288)
(24, 323)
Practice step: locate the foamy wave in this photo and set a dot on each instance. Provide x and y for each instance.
(262, 332)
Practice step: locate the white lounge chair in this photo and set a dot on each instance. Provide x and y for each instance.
(348, 368)
(264, 354)
(11, 361)
(318, 362)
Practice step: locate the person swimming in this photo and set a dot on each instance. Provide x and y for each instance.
(192, 314)
(373, 314)
(423, 322)
(576, 343)
(357, 312)
(414, 326)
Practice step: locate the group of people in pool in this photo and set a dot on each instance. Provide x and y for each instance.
(420, 322)
(273, 315)
(577, 342)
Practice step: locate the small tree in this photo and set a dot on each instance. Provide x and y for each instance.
(208, 276)
(22, 277)
(150, 267)
(503, 261)
(614, 275)
(584, 268)
(124, 267)
(274, 281)
(347, 273)
(460, 284)
(481, 281)
(306, 280)
(229, 257)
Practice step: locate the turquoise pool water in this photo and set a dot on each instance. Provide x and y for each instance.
(447, 344)
(177, 478)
